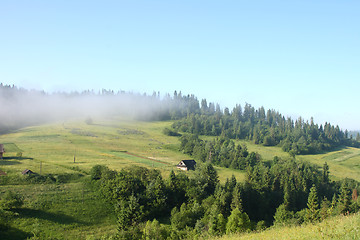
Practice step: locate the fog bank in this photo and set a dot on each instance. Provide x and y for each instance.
(20, 107)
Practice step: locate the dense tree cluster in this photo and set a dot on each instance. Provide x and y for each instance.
(182, 206)
(262, 127)
(268, 128)
(220, 151)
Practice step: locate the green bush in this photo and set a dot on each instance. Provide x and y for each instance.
(4, 220)
(11, 200)
(171, 132)
(98, 171)
(37, 178)
(67, 177)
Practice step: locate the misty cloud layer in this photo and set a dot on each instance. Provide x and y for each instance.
(20, 107)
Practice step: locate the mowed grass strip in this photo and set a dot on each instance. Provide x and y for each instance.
(11, 148)
(139, 159)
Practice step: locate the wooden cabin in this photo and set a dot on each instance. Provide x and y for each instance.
(186, 165)
(2, 150)
(27, 172)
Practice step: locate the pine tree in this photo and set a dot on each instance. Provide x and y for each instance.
(332, 205)
(282, 215)
(312, 213)
(344, 200)
(237, 222)
(236, 198)
(324, 208)
(325, 173)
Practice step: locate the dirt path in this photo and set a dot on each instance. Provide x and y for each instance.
(151, 159)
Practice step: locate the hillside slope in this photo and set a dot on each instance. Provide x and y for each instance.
(116, 143)
(340, 227)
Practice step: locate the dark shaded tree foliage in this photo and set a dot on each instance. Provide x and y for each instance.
(286, 191)
(221, 151)
(282, 191)
(268, 129)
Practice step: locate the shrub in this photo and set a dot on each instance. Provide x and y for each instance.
(11, 200)
(37, 178)
(238, 222)
(283, 216)
(67, 177)
(98, 171)
(170, 132)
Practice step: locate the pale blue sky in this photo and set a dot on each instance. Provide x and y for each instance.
(297, 57)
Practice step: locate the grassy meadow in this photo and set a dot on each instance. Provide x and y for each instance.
(340, 227)
(71, 210)
(343, 162)
(115, 143)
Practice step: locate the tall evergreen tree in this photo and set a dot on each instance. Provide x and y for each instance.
(237, 222)
(325, 177)
(344, 200)
(313, 210)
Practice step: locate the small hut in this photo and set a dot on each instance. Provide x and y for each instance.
(2, 150)
(186, 165)
(27, 172)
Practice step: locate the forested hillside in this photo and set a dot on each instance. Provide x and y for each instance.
(158, 201)
(282, 192)
(269, 128)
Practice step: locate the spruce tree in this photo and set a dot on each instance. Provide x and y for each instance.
(312, 213)
(325, 177)
(237, 222)
(344, 200)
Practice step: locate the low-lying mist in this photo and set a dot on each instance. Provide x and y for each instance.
(20, 107)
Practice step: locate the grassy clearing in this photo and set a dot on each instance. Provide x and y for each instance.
(344, 162)
(341, 227)
(54, 147)
(11, 148)
(70, 211)
(66, 211)
(116, 143)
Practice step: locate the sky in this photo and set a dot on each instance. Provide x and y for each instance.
(300, 57)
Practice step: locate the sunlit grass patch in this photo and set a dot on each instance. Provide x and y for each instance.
(11, 148)
(340, 227)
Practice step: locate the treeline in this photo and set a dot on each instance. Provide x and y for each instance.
(267, 128)
(220, 151)
(196, 206)
(22, 107)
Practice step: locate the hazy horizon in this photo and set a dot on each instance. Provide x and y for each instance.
(300, 58)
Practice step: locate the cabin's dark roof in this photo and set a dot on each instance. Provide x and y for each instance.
(190, 164)
(27, 171)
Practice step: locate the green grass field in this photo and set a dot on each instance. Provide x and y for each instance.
(112, 143)
(67, 211)
(115, 143)
(340, 227)
(60, 211)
